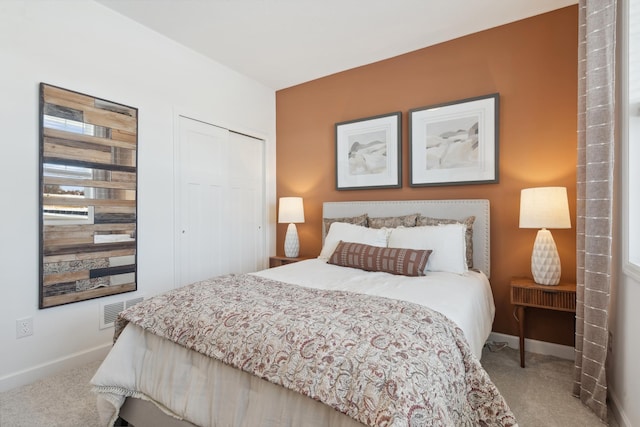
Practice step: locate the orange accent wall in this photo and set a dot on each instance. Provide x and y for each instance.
(531, 63)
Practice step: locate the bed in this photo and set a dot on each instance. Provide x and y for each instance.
(230, 351)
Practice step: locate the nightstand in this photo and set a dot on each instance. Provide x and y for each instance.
(526, 293)
(277, 261)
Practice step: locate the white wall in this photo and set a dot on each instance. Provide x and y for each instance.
(83, 46)
(624, 369)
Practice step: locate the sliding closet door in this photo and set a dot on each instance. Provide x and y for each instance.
(220, 202)
(246, 185)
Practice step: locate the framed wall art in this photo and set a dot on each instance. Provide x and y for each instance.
(368, 153)
(88, 197)
(454, 143)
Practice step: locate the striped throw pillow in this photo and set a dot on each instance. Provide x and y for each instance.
(401, 261)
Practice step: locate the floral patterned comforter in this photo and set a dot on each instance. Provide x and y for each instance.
(381, 361)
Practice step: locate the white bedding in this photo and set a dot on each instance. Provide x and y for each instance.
(205, 391)
(464, 298)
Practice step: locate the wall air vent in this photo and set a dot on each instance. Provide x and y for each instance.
(109, 312)
(131, 302)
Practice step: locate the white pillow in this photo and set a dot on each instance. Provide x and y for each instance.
(447, 242)
(354, 234)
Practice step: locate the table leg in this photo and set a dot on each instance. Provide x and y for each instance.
(521, 332)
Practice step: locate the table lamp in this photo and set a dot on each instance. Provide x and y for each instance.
(543, 208)
(291, 211)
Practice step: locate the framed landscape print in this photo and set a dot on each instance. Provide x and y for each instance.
(454, 143)
(368, 153)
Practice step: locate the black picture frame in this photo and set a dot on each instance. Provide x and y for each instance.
(369, 152)
(455, 143)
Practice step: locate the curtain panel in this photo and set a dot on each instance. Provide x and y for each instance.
(595, 179)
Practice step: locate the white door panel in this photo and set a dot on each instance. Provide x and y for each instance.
(247, 185)
(220, 196)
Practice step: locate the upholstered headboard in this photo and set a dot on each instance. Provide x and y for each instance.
(452, 209)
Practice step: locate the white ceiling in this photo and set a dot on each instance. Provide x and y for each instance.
(282, 43)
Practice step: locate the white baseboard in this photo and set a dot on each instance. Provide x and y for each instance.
(617, 409)
(44, 370)
(535, 346)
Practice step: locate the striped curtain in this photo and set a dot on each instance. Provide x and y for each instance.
(596, 145)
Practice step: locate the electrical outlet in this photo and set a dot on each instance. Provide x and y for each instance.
(24, 327)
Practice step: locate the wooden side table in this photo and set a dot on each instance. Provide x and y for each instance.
(526, 293)
(277, 261)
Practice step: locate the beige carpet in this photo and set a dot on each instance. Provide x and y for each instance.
(539, 395)
(63, 400)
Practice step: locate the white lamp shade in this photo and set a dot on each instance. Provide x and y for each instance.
(544, 207)
(291, 210)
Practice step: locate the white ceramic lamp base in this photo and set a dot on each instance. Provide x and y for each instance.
(291, 242)
(545, 261)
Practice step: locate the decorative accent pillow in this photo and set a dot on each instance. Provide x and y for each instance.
(352, 233)
(425, 220)
(393, 221)
(360, 220)
(405, 262)
(447, 242)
